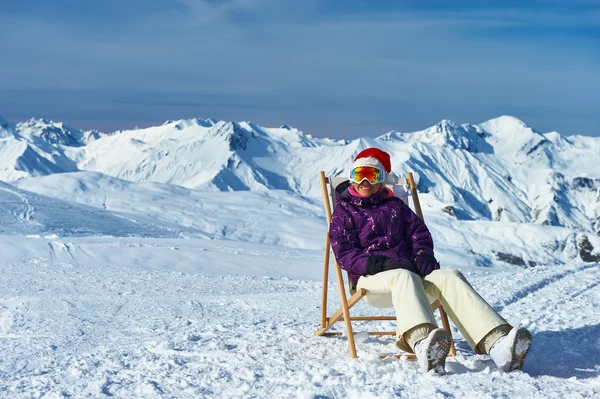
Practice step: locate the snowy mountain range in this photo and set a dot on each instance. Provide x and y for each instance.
(500, 170)
(216, 179)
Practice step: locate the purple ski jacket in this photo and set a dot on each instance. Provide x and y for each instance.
(377, 225)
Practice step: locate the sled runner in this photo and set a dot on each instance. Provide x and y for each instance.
(403, 189)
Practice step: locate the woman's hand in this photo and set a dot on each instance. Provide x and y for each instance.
(399, 263)
(380, 263)
(426, 264)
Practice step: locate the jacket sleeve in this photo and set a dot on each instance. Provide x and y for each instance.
(345, 243)
(416, 234)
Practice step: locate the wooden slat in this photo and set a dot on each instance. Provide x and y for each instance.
(326, 202)
(346, 309)
(446, 324)
(325, 281)
(415, 196)
(353, 318)
(340, 312)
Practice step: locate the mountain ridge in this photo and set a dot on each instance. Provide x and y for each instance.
(500, 169)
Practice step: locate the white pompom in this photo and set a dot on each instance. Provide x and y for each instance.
(391, 178)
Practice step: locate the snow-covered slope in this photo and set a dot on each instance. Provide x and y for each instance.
(23, 212)
(280, 218)
(262, 217)
(173, 318)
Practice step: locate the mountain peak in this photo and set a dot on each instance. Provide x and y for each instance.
(447, 123)
(392, 135)
(508, 119)
(40, 122)
(517, 142)
(234, 133)
(51, 132)
(507, 125)
(448, 133)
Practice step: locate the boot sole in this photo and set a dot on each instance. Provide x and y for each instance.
(520, 349)
(438, 349)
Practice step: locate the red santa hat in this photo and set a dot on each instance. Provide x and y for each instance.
(373, 157)
(376, 158)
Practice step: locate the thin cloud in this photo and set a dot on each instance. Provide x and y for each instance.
(267, 58)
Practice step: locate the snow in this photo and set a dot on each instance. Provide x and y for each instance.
(192, 319)
(176, 210)
(126, 274)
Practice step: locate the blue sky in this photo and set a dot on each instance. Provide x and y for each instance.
(340, 69)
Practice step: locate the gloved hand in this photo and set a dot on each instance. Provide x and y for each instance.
(399, 263)
(426, 264)
(379, 263)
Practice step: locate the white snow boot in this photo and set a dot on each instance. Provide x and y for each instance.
(509, 351)
(432, 351)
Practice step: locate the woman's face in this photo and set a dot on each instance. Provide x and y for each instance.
(366, 189)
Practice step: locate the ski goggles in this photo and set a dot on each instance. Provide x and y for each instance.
(369, 173)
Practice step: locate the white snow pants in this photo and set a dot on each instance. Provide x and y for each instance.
(411, 296)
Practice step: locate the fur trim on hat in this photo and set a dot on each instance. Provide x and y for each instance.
(369, 161)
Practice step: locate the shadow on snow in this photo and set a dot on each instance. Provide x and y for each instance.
(567, 353)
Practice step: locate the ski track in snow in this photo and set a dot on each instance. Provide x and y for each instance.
(71, 330)
(28, 210)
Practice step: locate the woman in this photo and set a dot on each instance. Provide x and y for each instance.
(388, 251)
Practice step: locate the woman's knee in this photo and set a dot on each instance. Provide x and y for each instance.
(403, 274)
(449, 274)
